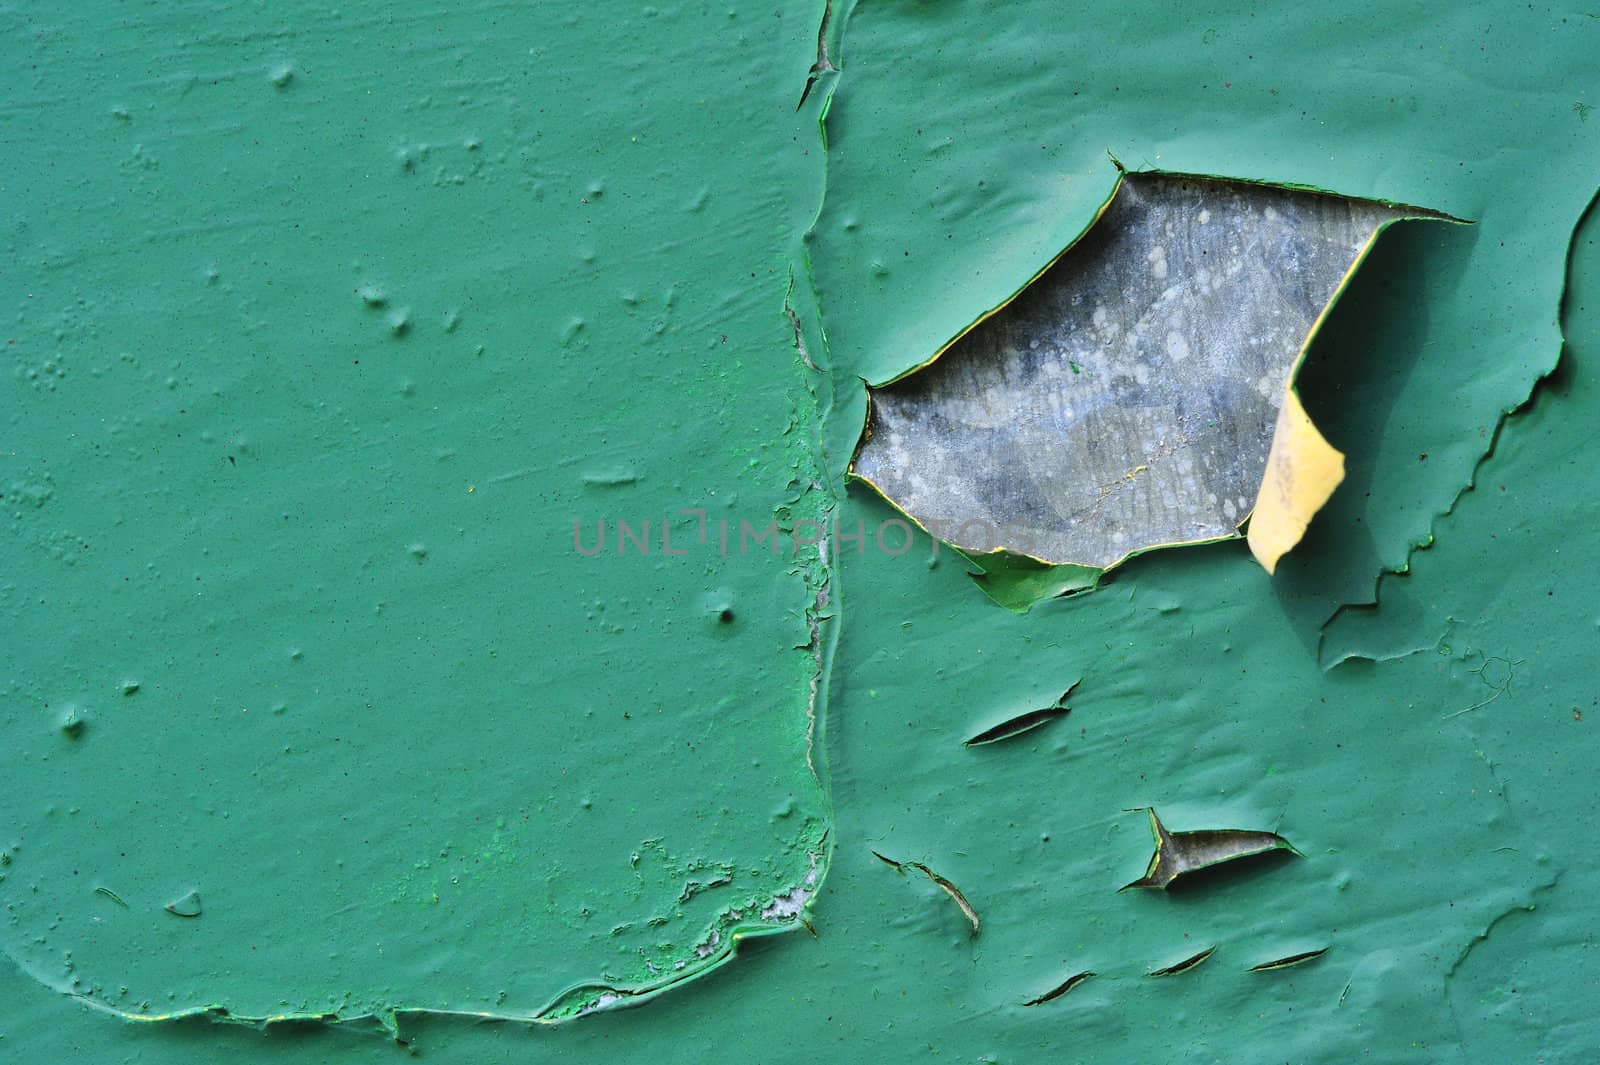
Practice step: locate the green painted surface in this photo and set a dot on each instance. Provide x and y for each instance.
(1437, 780)
(326, 332)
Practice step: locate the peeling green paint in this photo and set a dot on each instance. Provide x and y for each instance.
(1426, 755)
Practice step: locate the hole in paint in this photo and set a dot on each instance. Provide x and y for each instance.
(1127, 397)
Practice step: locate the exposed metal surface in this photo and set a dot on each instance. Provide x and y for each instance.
(1126, 399)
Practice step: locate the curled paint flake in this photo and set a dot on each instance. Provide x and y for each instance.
(1179, 854)
(1060, 989)
(1287, 962)
(1185, 965)
(943, 884)
(186, 906)
(1025, 722)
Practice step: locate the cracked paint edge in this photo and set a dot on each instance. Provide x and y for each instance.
(786, 910)
(1302, 472)
(1520, 407)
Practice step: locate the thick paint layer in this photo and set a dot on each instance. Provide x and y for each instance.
(369, 446)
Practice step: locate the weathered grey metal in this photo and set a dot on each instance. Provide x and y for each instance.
(1126, 399)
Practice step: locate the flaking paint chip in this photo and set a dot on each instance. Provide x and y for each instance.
(1061, 989)
(1024, 722)
(942, 883)
(1289, 962)
(1183, 966)
(186, 905)
(1179, 854)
